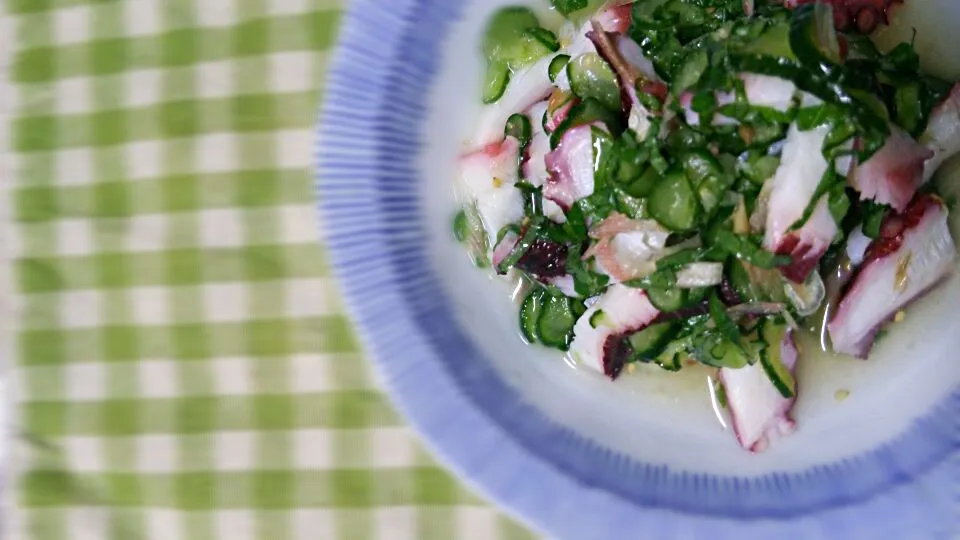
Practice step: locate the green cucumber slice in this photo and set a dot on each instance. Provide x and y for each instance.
(696, 294)
(759, 168)
(545, 38)
(669, 358)
(597, 318)
(770, 358)
(673, 203)
(643, 183)
(591, 77)
(529, 48)
(461, 226)
(558, 64)
(519, 127)
(586, 112)
(813, 37)
(774, 42)
(555, 325)
(908, 101)
(530, 312)
(504, 30)
(708, 178)
(648, 343)
(498, 76)
(713, 349)
(669, 361)
(667, 300)
(513, 39)
(475, 237)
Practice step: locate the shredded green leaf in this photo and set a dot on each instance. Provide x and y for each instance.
(566, 7)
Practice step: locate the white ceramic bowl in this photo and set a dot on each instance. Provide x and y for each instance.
(567, 450)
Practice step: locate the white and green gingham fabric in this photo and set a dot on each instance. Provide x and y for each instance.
(180, 364)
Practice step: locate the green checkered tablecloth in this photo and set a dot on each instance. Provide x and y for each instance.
(181, 364)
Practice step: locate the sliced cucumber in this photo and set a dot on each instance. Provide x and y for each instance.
(708, 178)
(475, 236)
(774, 42)
(530, 312)
(696, 294)
(712, 191)
(518, 126)
(557, 65)
(770, 358)
(669, 358)
(461, 226)
(669, 361)
(591, 77)
(667, 300)
(673, 203)
(712, 349)
(505, 29)
(545, 38)
(513, 40)
(813, 36)
(498, 76)
(587, 111)
(759, 168)
(648, 343)
(555, 325)
(908, 101)
(643, 183)
(529, 48)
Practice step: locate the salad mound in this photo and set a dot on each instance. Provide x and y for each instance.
(694, 181)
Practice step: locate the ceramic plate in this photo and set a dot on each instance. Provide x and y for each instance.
(569, 452)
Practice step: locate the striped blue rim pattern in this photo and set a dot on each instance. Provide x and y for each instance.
(367, 185)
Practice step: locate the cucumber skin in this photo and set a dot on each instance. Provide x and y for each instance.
(495, 84)
(549, 335)
(529, 315)
(673, 203)
(658, 345)
(770, 361)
